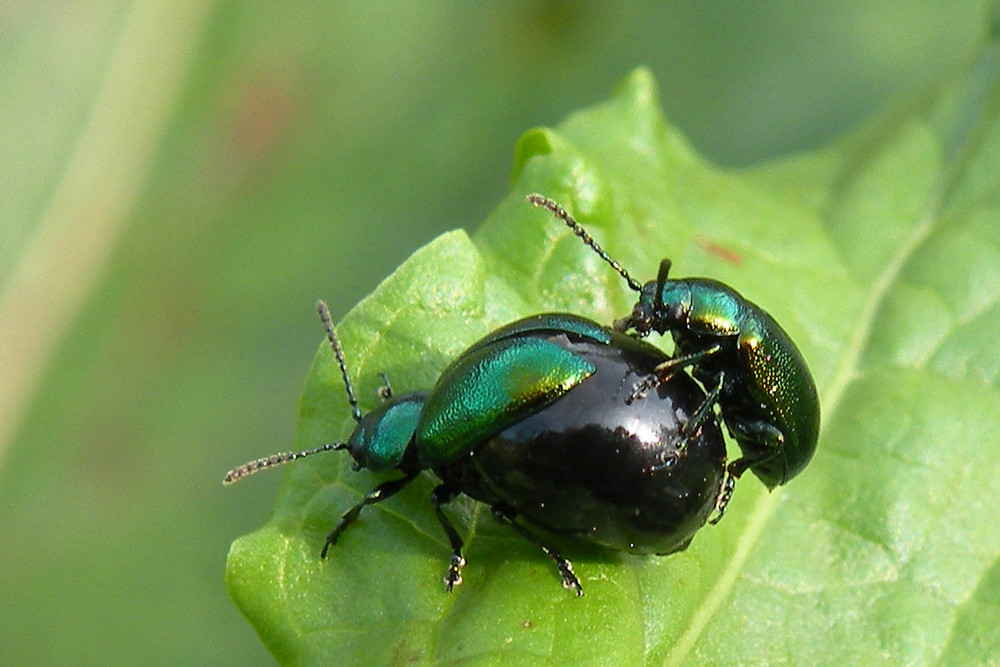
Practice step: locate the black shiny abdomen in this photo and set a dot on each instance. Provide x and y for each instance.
(583, 466)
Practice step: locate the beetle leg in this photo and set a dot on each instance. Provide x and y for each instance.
(734, 471)
(758, 432)
(759, 440)
(700, 415)
(442, 495)
(761, 432)
(378, 494)
(669, 368)
(507, 516)
(691, 428)
(725, 495)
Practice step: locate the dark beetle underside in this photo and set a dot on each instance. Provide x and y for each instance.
(591, 465)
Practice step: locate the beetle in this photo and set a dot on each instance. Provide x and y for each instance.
(535, 420)
(750, 367)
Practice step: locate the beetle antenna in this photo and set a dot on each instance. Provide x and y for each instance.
(561, 213)
(661, 280)
(338, 351)
(249, 468)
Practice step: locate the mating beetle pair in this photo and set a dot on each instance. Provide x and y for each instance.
(583, 430)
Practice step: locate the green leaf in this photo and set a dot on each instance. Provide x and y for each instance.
(879, 254)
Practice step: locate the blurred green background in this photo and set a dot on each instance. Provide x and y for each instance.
(182, 180)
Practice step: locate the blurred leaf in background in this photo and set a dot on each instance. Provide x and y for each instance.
(182, 180)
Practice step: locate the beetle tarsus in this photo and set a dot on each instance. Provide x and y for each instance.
(725, 495)
(507, 516)
(454, 576)
(442, 495)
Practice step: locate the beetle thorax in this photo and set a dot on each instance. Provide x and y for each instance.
(384, 435)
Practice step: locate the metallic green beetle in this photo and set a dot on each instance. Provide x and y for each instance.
(738, 352)
(536, 420)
